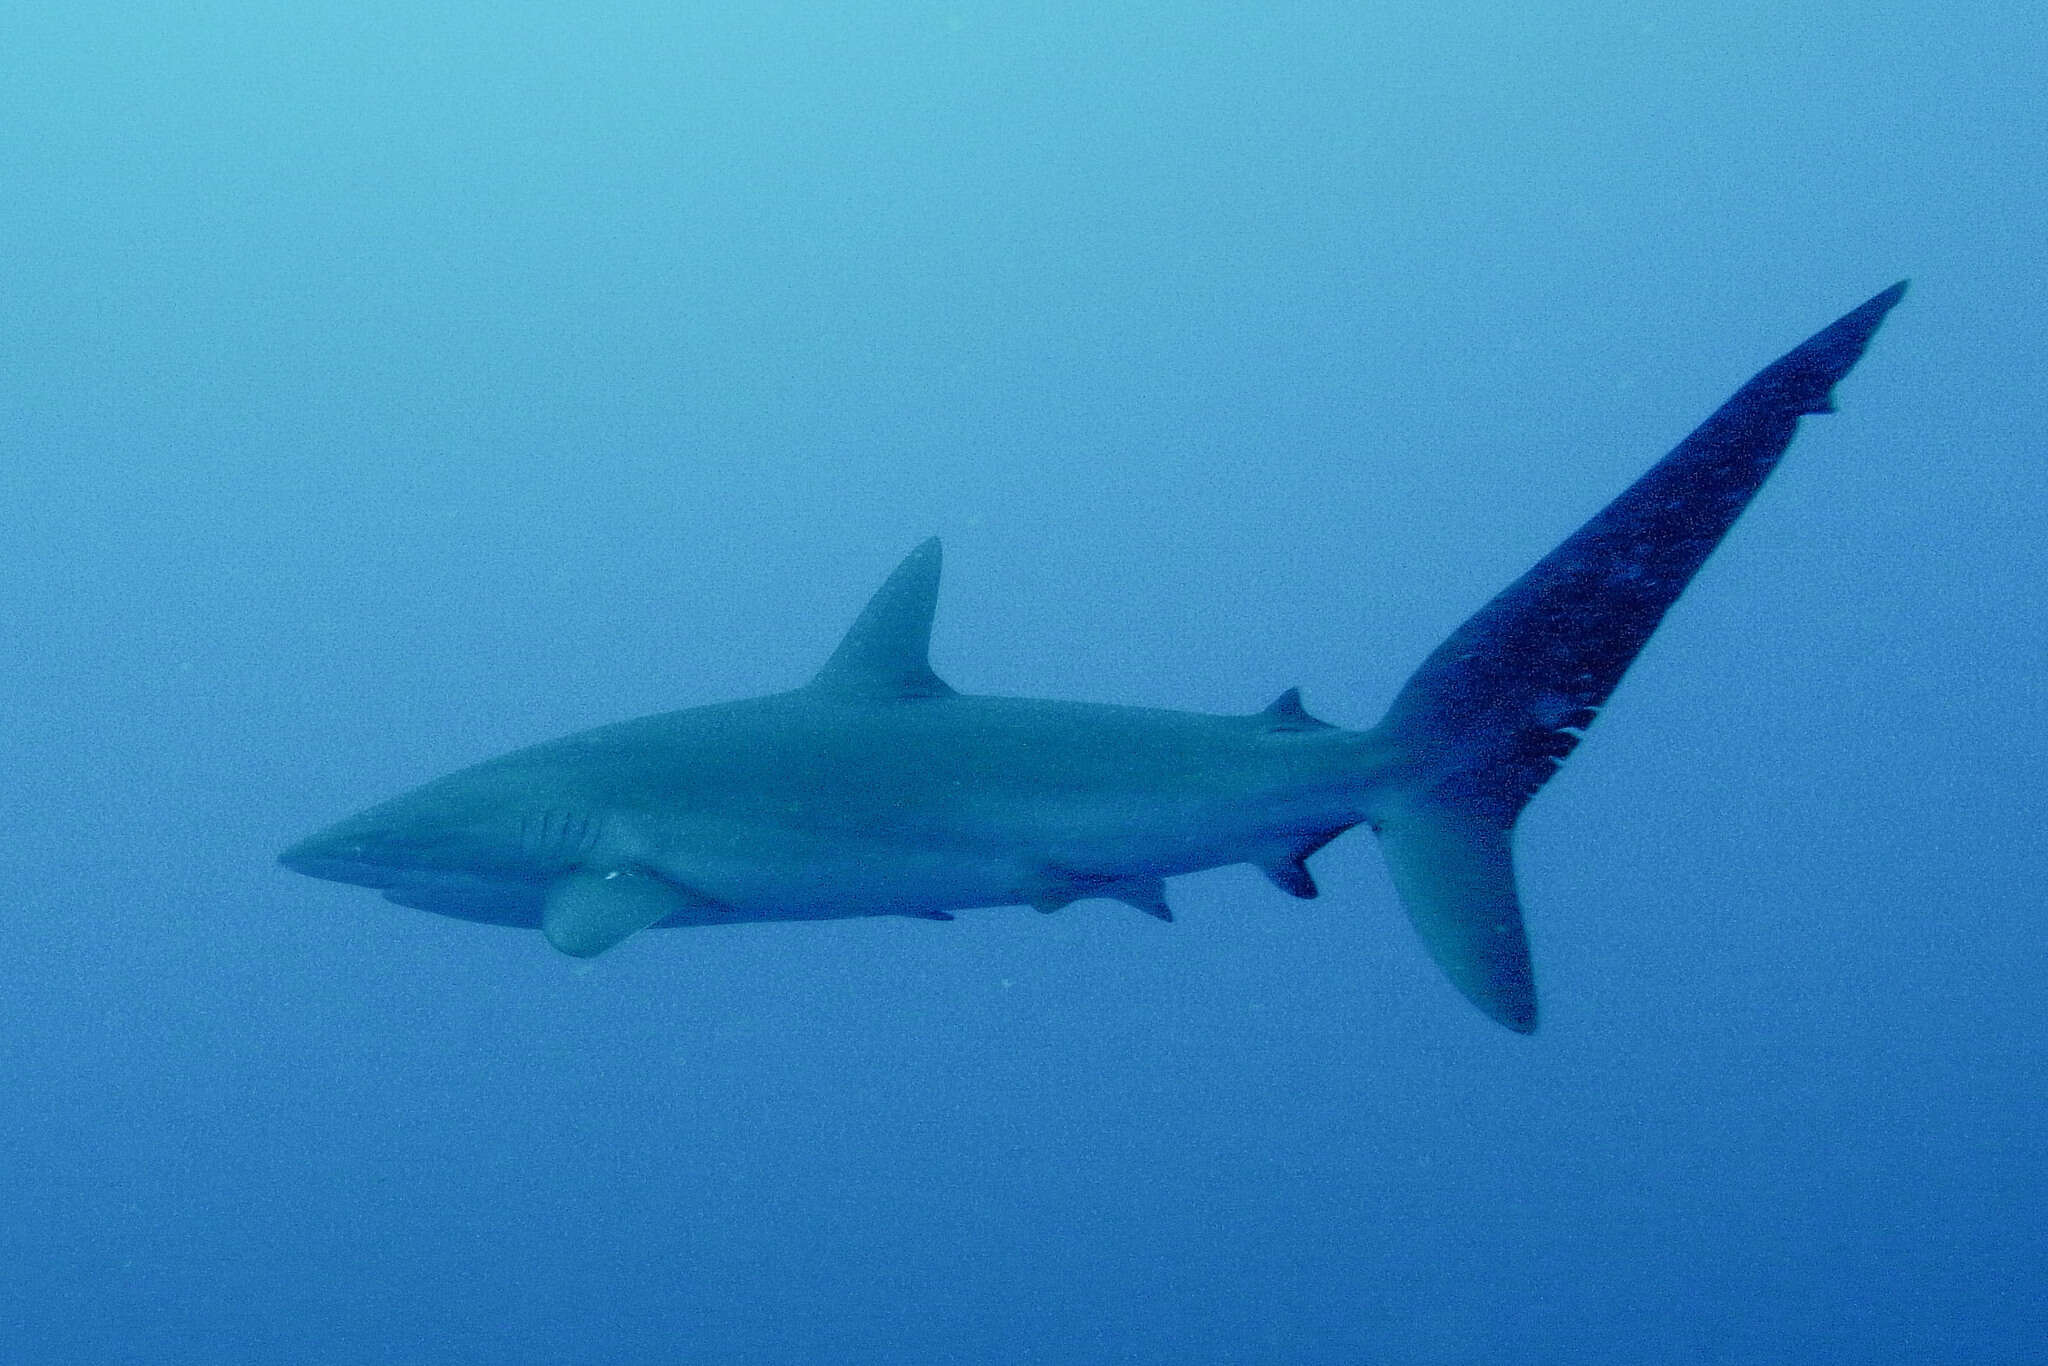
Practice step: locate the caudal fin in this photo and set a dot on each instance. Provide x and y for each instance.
(1493, 712)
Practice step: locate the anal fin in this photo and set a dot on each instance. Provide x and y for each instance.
(1291, 876)
(1147, 894)
(1287, 867)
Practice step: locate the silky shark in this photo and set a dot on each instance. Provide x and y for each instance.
(876, 789)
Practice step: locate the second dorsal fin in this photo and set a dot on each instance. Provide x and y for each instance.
(1287, 713)
(885, 655)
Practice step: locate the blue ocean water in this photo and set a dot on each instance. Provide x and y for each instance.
(388, 385)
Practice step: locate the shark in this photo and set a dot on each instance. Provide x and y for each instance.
(876, 789)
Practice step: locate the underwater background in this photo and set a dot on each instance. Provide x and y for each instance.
(387, 385)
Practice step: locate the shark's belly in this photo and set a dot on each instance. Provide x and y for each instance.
(791, 870)
(778, 875)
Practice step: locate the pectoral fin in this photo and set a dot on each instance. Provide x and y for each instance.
(590, 910)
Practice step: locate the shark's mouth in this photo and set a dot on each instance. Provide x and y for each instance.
(465, 894)
(466, 897)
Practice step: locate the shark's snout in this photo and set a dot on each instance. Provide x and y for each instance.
(344, 855)
(468, 829)
(376, 848)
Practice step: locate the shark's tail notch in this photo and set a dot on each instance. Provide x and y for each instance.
(1497, 707)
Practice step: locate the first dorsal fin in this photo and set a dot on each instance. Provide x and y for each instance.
(884, 656)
